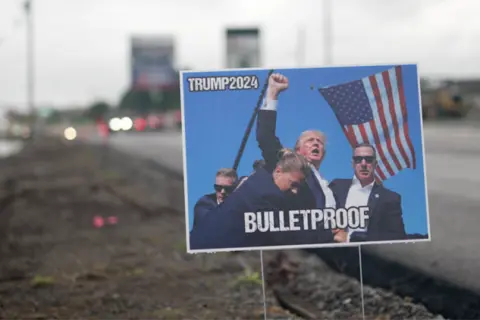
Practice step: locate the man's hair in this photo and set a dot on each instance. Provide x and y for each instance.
(304, 133)
(258, 164)
(290, 161)
(227, 172)
(365, 144)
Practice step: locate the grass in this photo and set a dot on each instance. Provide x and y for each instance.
(42, 281)
(181, 246)
(248, 278)
(111, 175)
(135, 272)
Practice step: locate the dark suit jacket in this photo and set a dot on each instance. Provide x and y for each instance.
(270, 146)
(224, 226)
(385, 212)
(203, 206)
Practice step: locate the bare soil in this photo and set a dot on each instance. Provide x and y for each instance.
(55, 264)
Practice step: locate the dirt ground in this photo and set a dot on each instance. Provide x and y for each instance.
(55, 264)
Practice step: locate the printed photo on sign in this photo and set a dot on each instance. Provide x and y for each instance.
(299, 158)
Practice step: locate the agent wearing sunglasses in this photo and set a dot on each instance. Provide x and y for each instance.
(385, 214)
(225, 181)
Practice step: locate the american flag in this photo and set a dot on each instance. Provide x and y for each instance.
(373, 110)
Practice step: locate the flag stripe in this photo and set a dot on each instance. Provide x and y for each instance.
(399, 114)
(350, 135)
(404, 113)
(371, 140)
(380, 150)
(385, 92)
(393, 118)
(363, 133)
(383, 122)
(380, 173)
(353, 137)
(380, 145)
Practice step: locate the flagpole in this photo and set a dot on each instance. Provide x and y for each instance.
(251, 123)
(30, 65)
(237, 162)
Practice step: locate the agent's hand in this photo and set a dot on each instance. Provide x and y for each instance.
(276, 84)
(340, 235)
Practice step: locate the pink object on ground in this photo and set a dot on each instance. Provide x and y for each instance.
(112, 220)
(98, 222)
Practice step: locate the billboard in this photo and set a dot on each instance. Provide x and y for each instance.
(152, 63)
(243, 48)
(335, 158)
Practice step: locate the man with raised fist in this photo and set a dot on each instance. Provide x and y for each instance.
(314, 193)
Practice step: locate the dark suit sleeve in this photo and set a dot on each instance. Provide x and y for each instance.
(392, 227)
(359, 236)
(268, 142)
(201, 209)
(219, 228)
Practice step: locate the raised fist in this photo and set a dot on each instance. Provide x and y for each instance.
(276, 84)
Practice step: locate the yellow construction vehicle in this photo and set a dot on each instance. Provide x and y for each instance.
(444, 100)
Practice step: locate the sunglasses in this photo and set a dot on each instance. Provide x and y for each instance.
(296, 185)
(219, 188)
(368, 159)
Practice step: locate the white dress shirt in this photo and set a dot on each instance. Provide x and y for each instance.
(269, 105)
(329, 198)
(357, 196)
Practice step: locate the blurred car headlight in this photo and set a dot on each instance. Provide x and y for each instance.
(115, 124)
(70, 133)
(127, 123)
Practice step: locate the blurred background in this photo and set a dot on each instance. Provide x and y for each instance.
(98, 71)
(93, 61)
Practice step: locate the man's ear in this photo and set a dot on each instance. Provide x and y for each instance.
(277, 170)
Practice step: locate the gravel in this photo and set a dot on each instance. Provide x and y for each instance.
(331, 295)
(55, 265)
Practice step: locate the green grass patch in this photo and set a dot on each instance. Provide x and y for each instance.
(42, 281)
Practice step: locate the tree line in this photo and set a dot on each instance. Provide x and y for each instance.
(132, 101)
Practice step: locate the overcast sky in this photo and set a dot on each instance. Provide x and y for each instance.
(82, 46)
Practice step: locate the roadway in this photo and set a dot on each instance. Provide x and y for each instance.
(165, 147)
(452, 159)
(453, 154)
